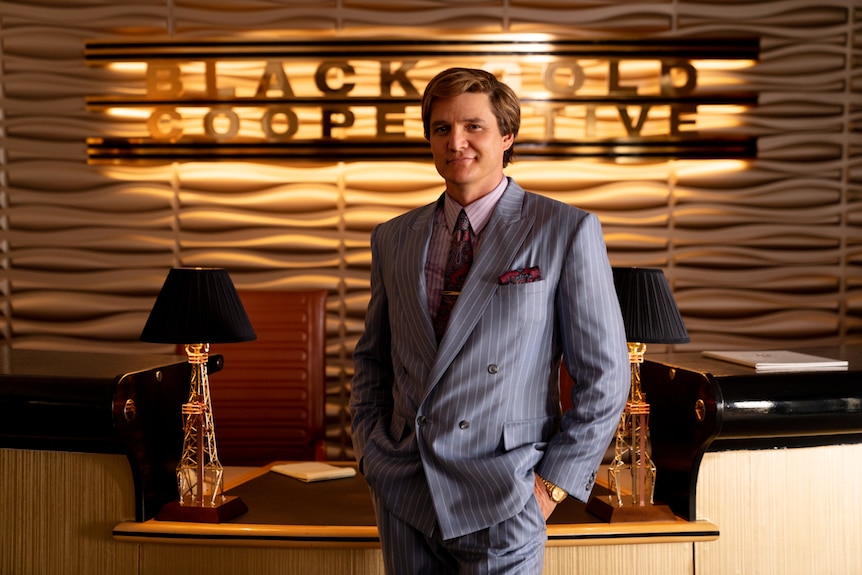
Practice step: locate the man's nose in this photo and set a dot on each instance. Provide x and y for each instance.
(457, 139)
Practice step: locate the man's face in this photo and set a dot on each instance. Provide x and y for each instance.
(467, 145)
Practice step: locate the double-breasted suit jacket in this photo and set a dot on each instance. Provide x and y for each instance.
(451, 435)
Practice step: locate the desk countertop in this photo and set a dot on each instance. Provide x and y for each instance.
(287, 512)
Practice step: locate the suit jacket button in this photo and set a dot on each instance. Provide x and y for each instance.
(493, 368)
(421, 420)
(464, 424)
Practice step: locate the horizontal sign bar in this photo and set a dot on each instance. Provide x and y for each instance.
(116, 150)
(101, 102)
(743, 48)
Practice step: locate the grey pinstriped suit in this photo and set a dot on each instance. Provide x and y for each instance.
(452, 436)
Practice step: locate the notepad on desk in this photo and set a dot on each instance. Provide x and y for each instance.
(779, 360)
(314, 471)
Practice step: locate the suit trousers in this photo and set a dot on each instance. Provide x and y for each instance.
(514, 547)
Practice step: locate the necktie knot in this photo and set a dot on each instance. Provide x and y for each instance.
(463, 222)
(462, 228)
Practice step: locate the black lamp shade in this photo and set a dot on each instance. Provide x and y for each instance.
(649, 310)
(198, 305)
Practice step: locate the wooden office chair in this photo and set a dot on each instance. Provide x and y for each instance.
(268, 400)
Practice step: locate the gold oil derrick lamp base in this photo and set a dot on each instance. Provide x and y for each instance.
(207, 513)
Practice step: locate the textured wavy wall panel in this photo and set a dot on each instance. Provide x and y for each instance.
(761, 254)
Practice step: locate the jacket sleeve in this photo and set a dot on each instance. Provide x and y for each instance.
(596, 356)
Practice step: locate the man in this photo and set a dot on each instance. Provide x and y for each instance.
(462, 442)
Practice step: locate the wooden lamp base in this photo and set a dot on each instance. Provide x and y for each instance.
(605, 507)
(175, 511)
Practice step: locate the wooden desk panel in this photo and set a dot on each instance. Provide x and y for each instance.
(159, 559)
(782, 511)
(57, 510)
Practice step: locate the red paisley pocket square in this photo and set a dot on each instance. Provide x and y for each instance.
(521, 276)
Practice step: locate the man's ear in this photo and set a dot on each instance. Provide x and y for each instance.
(508, 141)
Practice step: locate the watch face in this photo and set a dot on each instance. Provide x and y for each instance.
(556, 493)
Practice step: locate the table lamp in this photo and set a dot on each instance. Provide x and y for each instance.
(197, 307)
(650, 315)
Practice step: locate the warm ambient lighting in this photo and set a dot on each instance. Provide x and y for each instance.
(650, 316)
(724, 65)
(197, 307)
(128, 67)
(138, 115)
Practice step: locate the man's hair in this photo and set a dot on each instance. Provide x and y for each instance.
(456, 81)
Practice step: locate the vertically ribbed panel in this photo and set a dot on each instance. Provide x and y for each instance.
(96, 492)
(759, 254)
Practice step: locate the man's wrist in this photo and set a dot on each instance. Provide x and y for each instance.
(555, 492)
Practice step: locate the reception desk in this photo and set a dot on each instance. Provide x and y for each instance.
(761, 470)
(773, 459)
(87, 440)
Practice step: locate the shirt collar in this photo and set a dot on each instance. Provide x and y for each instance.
(478, 212)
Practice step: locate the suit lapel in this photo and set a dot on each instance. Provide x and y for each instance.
(415, 253)
(503, 236)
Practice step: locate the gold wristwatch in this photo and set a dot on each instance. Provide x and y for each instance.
(558, 494)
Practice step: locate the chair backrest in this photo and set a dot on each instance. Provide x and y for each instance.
(269, 399)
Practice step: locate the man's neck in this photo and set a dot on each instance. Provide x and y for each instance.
(467, 194)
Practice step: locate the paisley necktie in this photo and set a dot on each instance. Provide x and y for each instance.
(460, 259)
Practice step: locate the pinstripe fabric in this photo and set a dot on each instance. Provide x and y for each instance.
(515, 546)
(451, 436)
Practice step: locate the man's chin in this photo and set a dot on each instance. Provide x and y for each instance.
(460, 173)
